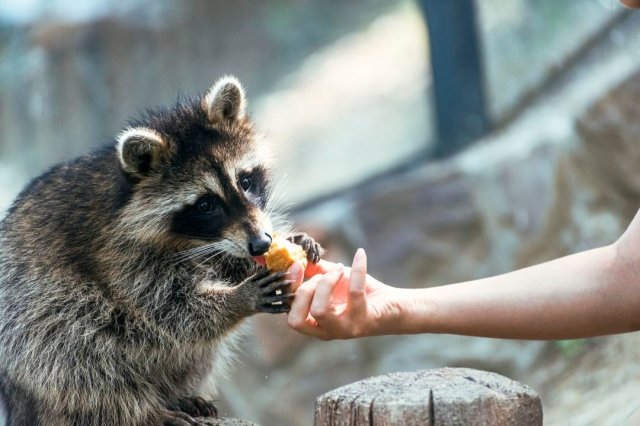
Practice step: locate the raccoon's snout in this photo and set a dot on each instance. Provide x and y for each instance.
(260, 245)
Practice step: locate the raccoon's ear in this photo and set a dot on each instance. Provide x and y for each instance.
(225, 100)
(141, 150)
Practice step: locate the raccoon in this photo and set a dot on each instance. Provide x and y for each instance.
(125, 273)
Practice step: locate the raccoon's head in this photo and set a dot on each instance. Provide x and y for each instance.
(198, 175)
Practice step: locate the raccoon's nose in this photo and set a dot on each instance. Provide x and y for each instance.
(259, 246)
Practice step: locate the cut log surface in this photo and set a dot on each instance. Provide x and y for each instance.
(446, 396)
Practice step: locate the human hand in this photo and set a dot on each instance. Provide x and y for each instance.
(338, 302)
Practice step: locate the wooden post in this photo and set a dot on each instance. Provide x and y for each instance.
(447, 396)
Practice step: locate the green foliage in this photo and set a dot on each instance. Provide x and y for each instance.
(571, 348)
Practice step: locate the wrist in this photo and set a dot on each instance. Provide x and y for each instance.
(395, 316)
(416, 312)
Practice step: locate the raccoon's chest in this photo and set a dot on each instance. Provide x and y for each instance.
(178, 370)
(193, 369)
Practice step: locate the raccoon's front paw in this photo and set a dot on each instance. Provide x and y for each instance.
(313, 249)
(268, 292)
(196, 406)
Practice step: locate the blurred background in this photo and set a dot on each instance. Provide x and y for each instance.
(452, 140)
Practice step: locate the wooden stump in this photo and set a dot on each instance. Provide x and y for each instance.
(447, 396)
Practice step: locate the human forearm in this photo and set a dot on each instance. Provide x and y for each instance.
(586, 294)
(592, 293)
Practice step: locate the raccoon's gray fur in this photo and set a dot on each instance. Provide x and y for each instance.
(124, 273)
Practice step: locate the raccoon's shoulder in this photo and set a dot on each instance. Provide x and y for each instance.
(62, 214)
(91, 181)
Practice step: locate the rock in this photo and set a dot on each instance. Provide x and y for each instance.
(225, 421)
(610, 153)
(411, 227)
(428, 397)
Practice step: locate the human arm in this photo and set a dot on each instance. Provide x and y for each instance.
(587, 294)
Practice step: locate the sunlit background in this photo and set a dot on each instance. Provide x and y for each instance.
(545, 165)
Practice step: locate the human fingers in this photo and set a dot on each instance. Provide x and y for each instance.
(357, 301)
(322, 267)
(299, 319)
(297, 316)
(295, 274)
(321, 307)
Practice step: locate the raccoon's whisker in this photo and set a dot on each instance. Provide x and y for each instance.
(190, 254)
(276, 196)
(188, 259)
(275, 204)
(277, 208)
(284, 208)
(224, 257)
(213, 256)
(225, 248)
(281, 182)
(193, 249)
(280, 222)
(237, 247)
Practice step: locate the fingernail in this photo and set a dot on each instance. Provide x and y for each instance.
(359, 254)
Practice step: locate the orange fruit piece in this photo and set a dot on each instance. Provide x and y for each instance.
(283, 253)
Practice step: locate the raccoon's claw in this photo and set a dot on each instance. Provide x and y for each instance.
(275, 309)
(178, 418)
(278, 309)
(205, 408)
(309, 245)
(278, 299)
(268, 292)
(266, 278)
(272, 303)
(278, 285)
(261, 274)
(197, 407)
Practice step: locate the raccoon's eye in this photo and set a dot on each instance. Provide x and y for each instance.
(205, 206)
(245, 183)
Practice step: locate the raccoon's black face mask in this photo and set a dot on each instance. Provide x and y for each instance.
(236, 215)
(200, 175)
(205, 220)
